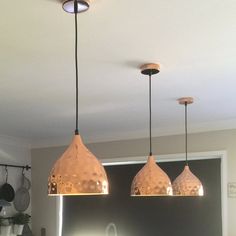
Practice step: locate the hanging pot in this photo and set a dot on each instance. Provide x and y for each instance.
(7, 192)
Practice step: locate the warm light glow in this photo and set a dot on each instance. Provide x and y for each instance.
(111, 227)
(77, 172)
(201, 191)
(60, 223)
(151, 180)
(187, 184)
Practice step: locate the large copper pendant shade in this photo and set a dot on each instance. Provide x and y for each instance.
(77, 171)
(151, 180)
(187, 184)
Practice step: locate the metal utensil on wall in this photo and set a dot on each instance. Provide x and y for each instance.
(7, 192)
(22, 197)
(26, 182)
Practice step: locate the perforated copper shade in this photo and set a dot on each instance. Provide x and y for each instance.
(151, 180)
(77, 172)
(187, 184)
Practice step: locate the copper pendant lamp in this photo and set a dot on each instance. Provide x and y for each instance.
(187, 184)
(151, 180)
(77, 171)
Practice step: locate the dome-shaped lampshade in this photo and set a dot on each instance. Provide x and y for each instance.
(151, 180)
(187, 184)
(77, 172)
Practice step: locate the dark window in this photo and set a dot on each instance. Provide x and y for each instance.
(155, 216)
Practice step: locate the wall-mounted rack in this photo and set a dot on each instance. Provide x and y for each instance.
(27, 167)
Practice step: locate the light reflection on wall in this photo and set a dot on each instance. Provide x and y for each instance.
(109, 230)
(60, 223)
(93, 233)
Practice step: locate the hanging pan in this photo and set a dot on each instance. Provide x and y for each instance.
(26, 182)
(22, 198)
(7, 192)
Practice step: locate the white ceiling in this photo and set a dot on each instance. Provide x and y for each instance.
(194, 42)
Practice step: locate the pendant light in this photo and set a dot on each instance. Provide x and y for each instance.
(187, 184)
(77, 171)
(151, 180)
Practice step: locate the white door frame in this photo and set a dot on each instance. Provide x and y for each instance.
(222, 154)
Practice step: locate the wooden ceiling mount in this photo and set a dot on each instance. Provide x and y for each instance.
(183, 100)
(150, 69)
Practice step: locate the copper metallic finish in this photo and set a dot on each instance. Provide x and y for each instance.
(151, 180)
(183, 100)
(187, 184)
(77, 172)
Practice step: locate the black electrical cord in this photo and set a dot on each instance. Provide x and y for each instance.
(76, 69)
(186, 133)
(150, 114)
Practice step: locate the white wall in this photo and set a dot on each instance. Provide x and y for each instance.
(43, 158)
(17, 152)
(44, 213)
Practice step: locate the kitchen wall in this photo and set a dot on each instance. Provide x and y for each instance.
(17, 152)
(44, 207)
